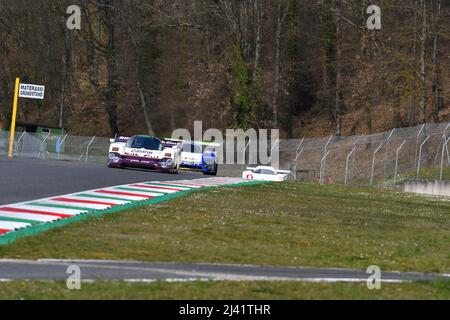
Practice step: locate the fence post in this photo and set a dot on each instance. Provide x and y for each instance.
(346, 164)
(325, 155)
(42, 144)
(443, 139)
(354, 153)
(298, 152)
(386, 153)
(295, 162)
(444, 145)
(87, 149)
(373, 163)
(420, 156)
(417, 143)
(299, 145)
(60, 145)
(322, 167)
(396, 161)
(18, 141)
(243, 155)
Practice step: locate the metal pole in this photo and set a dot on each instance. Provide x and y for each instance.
(271, 151)
(417, 143)
(386, 153)
(346, 164)
(42, 144)
(326, 146)
(300, 145)
(296, 161)
(396, 161)
(325, 149)
(446, 129)
(354, 153)
(243, 154)
(87, 149)
(442, 158)
(297, 155)
(18, 141)
(14, 117)
(448, 154)
(60, 145)
(420, 156)
(373, 163)
(322, 167)
(443, 139)
(21, 136)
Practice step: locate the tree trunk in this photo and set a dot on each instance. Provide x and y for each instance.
(437, 84)
(143, 100)
(338, 94)
(110, 93)
(413, 102)
(280, 18)
(423, 42)
(259, 18)
(67, 59)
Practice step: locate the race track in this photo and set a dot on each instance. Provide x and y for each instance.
(30, 179)
(141, 272)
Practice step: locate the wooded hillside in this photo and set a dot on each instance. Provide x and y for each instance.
(309, 67)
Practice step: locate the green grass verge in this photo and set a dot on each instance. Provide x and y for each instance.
(288, 224)
(222, 290)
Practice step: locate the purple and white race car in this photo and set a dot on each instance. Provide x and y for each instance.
(144, 152)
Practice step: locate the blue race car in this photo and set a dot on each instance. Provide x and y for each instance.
(196, 157)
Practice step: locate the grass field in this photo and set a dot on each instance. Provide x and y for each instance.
(289, 224)
(222, 290)
(280, 224)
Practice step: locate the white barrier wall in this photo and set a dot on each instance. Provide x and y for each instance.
(435, 188)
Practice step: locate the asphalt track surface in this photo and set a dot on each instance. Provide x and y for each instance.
(30, 179)
(91, 270)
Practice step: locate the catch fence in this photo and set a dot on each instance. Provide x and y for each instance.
(382, 159)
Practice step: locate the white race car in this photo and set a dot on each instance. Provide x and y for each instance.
(265, 174)
(144, 152)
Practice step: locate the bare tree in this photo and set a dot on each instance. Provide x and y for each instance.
(281, 16)
(423, 74)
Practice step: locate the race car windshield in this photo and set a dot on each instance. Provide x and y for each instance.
(265, 171)
(192, 148)
(148, 143)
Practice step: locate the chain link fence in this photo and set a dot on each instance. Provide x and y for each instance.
(55, 147)
(382, 159)
(386, 158)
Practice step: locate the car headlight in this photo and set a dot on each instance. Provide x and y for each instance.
(114, 157)
(166, 163)
(209, 160)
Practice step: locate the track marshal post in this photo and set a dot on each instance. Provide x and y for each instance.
(22, 90)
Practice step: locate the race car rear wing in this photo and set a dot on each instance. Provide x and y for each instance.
(170, 143)
(201, 143)
(284, 171)
(119, 139)
(278, 171)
